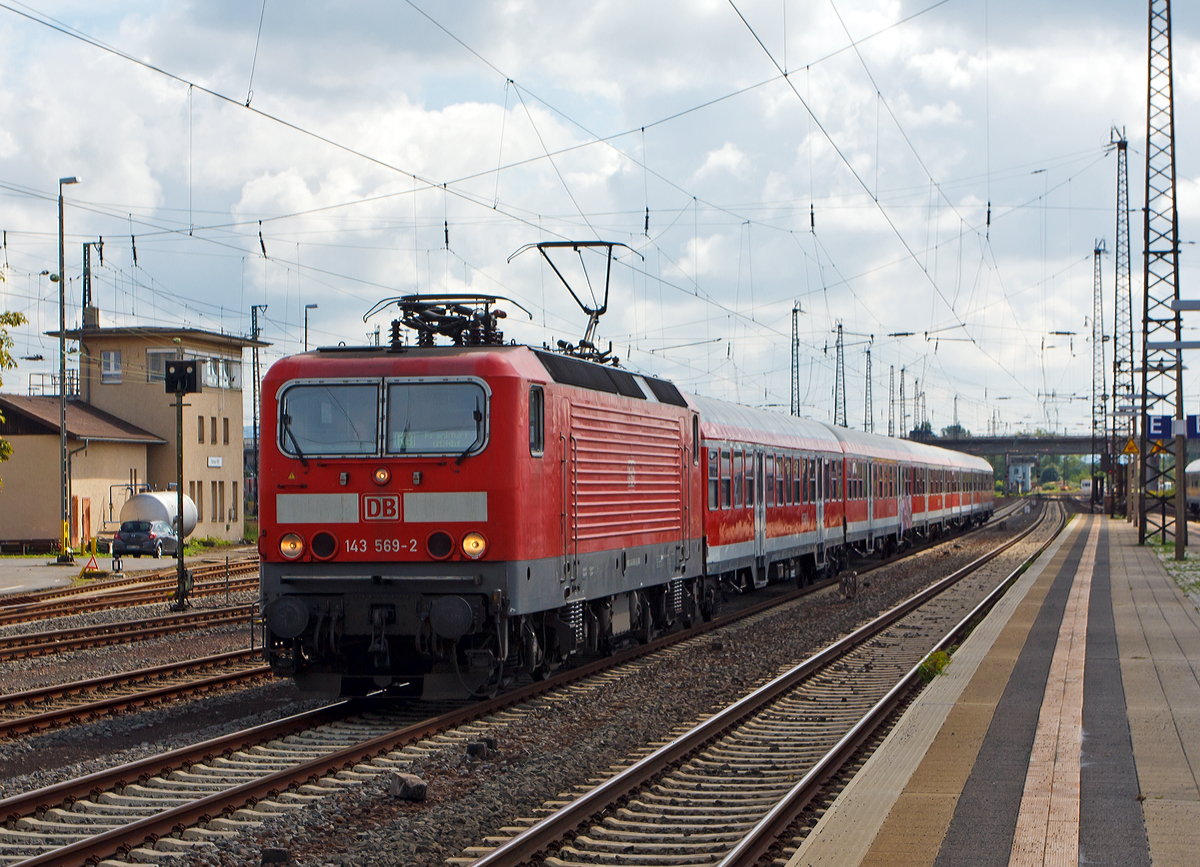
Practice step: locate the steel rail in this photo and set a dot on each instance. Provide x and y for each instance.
(97, 707)
(553, 828)
(764, 835)
(103, 635)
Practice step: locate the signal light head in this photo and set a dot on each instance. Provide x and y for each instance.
(291, 546)
(474, 545)
(381, 476)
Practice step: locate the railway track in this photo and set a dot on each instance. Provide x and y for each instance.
(276, 767)
(122, 632)
(727, 790)
(122, 599)
(47, 707)
(165, 578)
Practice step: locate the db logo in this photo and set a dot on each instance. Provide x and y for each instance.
(381, 507)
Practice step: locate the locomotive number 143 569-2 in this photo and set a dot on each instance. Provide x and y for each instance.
(381, 546)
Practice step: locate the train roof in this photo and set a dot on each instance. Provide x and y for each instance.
(911, 451)
(730, 421)
(721, 420)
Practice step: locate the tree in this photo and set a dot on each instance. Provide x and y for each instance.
(7, 320)
(1050, 474)
(955, 432)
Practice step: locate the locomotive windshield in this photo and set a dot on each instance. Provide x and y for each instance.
(435, 418)
(330, 419)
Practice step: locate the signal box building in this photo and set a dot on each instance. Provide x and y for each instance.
(121, 382)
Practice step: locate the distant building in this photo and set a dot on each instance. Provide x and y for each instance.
(106, 459)
(120, 384)
(1022, 475)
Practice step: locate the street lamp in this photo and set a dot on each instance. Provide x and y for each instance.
(307, 307)
(64, 550)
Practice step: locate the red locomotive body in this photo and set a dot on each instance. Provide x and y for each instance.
(425, 510)
(434, 519)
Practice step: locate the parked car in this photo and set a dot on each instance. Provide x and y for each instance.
(144, 537)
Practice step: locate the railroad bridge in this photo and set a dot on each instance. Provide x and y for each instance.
(986, 447)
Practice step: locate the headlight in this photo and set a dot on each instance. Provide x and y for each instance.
(291, 546)
(474, 545)
(381, 476)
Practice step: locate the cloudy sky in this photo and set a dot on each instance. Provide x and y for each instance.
(838, 155)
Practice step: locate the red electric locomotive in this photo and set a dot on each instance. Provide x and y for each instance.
(434, 518)
(429, 513)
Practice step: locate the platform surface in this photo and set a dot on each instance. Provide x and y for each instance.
(1065, 731)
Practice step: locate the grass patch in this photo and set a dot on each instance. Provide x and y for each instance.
(1185, 573)
(204, 545)
(933, 665)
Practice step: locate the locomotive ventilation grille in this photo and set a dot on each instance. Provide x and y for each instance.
(628, 473)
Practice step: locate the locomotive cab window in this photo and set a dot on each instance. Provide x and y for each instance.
(435, 418)
(329, 419)
(537, 421)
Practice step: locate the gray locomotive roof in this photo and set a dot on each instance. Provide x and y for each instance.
(735, 423)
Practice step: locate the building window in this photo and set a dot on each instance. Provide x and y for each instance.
(214, 430)
(110, 365)
(233, 502)
(225, 430)
(221, 512)
(192, 491)
(200, 501)
(216, 516)
(220, 373)
(200, 429)
(156, 364)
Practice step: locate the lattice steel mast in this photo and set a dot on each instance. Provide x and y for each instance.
(796, 311)
(1099, 380)
(839, 384)
(1122, 391)
(868, 410)
(1162, 359)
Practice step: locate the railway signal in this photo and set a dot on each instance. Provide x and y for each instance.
(182, 376)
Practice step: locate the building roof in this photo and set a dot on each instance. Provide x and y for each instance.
(84, 421)
(164, 334)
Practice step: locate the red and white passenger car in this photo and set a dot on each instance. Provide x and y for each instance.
(434, 518)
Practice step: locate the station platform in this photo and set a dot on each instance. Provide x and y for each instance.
(1065, 731)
